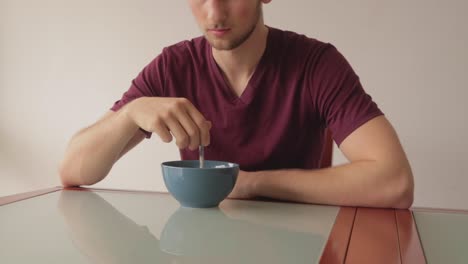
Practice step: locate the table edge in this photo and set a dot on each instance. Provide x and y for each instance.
(88, 189)
(26, 195)
(439, 210)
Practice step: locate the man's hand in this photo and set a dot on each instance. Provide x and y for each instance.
(244, 186)
(118, 132)
(178, 116)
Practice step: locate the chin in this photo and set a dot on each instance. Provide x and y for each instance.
(223, 44)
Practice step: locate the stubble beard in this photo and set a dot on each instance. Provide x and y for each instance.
(233, 44)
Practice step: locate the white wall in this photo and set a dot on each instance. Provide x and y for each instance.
(64, 63)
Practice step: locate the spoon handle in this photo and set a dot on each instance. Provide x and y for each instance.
(201, 152)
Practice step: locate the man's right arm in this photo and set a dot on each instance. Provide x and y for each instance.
(93, 151)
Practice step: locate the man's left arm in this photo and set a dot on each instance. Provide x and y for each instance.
(378, 174)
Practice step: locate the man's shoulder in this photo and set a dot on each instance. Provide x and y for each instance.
(292, 38)
(294, 46)
(194, 47)
(296, 51)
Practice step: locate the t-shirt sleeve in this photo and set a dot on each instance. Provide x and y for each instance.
(339, 96)
(149, 82)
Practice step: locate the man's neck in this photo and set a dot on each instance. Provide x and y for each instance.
(239, 64)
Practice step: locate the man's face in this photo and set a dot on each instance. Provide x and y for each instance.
(226, 24)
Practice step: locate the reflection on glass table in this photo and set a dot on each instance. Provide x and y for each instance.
(237, 232)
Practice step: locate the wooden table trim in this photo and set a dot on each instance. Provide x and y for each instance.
(23, 196)
(411, 250)
(340, 235)
(374, 238)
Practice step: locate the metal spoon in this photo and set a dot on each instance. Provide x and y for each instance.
(201, 152)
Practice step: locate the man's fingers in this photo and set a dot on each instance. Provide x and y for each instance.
(163, 132)
(205, 134)
(203, 125)
(177, 117)
(192, 130)
(182, 139)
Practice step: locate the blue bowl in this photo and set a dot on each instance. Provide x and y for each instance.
(199, 187)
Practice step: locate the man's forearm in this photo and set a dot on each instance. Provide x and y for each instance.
(362, 183)
(92, 152)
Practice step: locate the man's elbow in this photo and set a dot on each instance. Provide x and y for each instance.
(66, 176)
(403, 193)
(72, 176)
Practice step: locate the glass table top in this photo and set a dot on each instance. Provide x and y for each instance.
(122, 227)
(444, 236)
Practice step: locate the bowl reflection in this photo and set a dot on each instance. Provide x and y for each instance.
(198, 232)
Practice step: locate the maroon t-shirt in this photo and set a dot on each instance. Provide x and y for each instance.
(300, 87)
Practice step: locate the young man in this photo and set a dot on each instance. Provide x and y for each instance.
(260, 97)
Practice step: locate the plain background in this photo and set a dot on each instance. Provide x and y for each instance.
(64, 63)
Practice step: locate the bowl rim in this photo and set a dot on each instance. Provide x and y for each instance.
(166, 164)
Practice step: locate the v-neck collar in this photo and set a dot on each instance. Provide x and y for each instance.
(248, 94)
